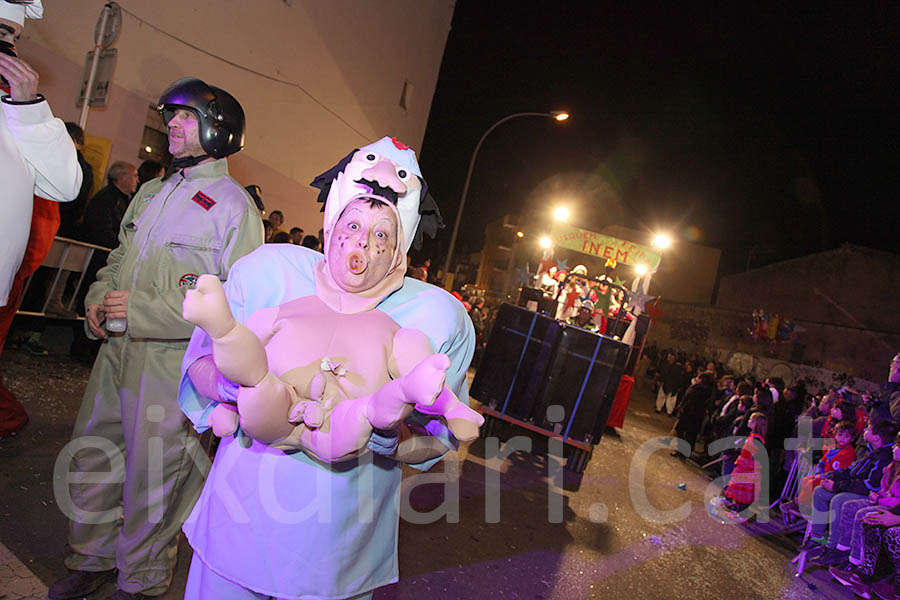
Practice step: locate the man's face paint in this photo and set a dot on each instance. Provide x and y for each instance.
(362, 245)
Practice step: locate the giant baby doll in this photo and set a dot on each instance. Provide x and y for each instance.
(289, 525)
(337, 375)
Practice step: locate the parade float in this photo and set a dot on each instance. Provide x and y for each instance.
(572, 340)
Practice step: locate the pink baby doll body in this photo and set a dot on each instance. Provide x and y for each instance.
(319, 372)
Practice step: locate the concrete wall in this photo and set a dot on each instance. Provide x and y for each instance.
(341, 66)
(723, 333)
(850, 286)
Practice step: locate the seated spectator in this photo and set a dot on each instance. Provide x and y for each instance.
(297, 236)
(837, 455)
(744, 486)
(820, 407)
(855, 482)
(848, 550)
(879, 556)
(269, 231)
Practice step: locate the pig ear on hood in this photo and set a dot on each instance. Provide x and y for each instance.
(323, 182)
(430, 219)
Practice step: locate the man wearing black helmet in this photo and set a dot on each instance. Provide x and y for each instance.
(196, 219)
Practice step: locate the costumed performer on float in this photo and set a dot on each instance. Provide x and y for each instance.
(288, 525)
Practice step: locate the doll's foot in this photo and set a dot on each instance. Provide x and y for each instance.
(207, 307)
(423, 384)
(223, 419)
(463, 422)
(308, 412)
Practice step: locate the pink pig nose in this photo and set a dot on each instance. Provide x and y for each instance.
(384, 174)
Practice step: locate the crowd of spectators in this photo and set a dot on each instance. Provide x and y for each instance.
(850, 501)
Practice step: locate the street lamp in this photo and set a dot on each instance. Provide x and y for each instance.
(556, 115)
(545, 242)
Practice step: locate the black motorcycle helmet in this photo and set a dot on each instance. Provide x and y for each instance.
(220, 116)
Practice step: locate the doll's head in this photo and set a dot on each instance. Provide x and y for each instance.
(363, 246)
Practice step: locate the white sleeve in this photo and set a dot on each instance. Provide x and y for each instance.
(47, 148)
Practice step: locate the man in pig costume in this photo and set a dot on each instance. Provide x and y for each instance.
(289, 525)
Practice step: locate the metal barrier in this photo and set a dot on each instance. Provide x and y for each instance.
(69, 256)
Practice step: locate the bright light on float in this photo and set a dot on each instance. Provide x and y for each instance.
(662, 241)
(561, 213)
(545, 242)
(641, 270)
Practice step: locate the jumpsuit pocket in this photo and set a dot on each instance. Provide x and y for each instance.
(186, 258)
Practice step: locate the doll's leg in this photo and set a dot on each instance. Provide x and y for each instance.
(238, 353)
(264, 409)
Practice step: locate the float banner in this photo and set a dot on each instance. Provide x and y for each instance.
(604, 246)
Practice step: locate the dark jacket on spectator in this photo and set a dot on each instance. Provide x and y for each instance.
(864, 474)
(71, 213)
(104, 215)
(672, 376)
(693, 409)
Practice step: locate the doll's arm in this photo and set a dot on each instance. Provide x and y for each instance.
(238, 352)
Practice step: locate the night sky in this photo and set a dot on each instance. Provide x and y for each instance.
(767, 132)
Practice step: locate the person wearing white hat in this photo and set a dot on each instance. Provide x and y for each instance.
(38, 167)
(36, 154)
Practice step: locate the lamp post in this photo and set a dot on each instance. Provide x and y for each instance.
(558, 115)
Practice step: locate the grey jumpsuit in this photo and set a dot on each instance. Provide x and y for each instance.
(149, 467)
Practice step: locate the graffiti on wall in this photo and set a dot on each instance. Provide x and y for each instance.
(693, 331)
(817, 380)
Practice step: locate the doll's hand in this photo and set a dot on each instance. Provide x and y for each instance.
(207, 307)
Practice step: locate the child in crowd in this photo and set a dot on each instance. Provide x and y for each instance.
(744, 485)
(743, 405)
(839, 453)
(835, 416)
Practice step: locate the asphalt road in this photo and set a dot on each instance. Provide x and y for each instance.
(607, 535)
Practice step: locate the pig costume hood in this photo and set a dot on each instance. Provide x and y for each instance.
(388, 171)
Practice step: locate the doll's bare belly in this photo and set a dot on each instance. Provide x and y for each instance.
(357, 347)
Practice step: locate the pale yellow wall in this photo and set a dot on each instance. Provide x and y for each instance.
(353, 57)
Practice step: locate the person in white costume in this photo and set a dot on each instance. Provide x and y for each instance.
(37, 156)
(271, 524)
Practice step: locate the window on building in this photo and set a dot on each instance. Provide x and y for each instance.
(155, 140)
